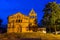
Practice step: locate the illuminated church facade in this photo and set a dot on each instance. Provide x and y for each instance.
(19, 22)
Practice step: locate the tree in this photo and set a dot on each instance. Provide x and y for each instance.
(1, 29)
(1, 22)
(51, 14)
(33, 27)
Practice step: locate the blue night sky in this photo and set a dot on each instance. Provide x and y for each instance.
(9, 7)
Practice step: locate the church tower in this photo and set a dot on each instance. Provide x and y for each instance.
(33, 17)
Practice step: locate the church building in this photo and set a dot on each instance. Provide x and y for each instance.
(19, 22)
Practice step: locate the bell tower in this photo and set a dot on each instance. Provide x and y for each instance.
(33, 17)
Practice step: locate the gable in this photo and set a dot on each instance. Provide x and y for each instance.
(17, 15)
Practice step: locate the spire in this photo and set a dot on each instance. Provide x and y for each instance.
(32, 13)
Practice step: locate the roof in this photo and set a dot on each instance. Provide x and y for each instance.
(32, 12)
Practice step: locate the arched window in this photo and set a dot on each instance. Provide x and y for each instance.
(18, 21)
